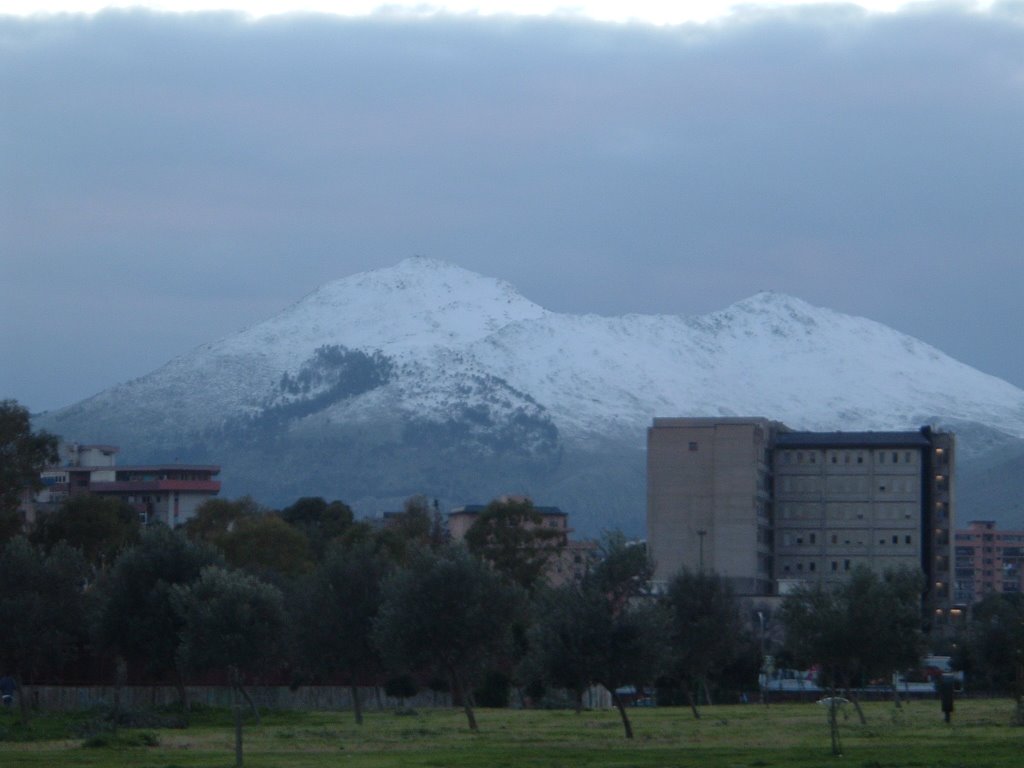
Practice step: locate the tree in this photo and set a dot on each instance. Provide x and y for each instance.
(252, 537)
(860, 627)
(510, 535)
(630, 627)
(886, 622)
(448, 611)
(266, 546)
(23, 455)
(321, 522)
(234, 623)
(335, 610)
(415, 528)
(136, 617)
(100, 527)
(216, 517)
(622, 571)
(604, 630)
(706, 629)
(42, 612)
(817, 633)
(995, 646)
(567, 639)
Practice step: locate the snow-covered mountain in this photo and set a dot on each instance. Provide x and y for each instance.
(427, 378)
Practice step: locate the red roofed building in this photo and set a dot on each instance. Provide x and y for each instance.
(165, 493)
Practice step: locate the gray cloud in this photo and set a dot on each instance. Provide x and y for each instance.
(170, 179)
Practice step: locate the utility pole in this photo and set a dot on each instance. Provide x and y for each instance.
(764, 665)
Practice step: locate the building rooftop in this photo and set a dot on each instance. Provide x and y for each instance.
(711, 421)
(476, 509)
(851, 440)
(212, 468)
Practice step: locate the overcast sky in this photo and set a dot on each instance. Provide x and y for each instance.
(168, 179)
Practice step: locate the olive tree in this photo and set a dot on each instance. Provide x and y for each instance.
(136, 618)
(604, 630)
(706, 629)
(995, 646)
(449, 612)
(510, 534)
(23, 455)
(100, 527)
(334, 611)
(861, 627)
(42, 612)
(232, 623)
(320, 521)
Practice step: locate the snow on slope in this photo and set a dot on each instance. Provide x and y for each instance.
(458, 337)
(420, 303)
(770, 355)
(409, 311)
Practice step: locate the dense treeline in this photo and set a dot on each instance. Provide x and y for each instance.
(309, 595)
(331, 599)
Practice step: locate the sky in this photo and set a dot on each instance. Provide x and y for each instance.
(169, 178)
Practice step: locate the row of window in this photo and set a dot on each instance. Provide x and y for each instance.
(133, 499)
(968, 566)
(844, 457)
(1003, 552)
(847, 539)
(848, 511)
(812, 566)
(988, 537)
(849, 484)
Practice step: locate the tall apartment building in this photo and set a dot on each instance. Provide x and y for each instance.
(880, 499)
(709, 499)
(768, 507)
(988, 561)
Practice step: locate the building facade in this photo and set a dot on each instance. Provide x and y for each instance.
(988, 561)
(768, 507)
(878, 499)
(709, 504)
(165, 493)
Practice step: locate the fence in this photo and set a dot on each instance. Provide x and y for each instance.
(282, 697)
(66, 698)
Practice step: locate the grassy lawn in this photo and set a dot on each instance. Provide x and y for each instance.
(790, 735)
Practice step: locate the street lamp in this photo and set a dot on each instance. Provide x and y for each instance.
(701, 533)
(764, 667)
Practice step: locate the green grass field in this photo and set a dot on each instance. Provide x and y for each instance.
(789, 735)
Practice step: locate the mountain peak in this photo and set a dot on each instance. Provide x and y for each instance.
(420, 302)
(774, 302)
(424, 280)
(420, 270)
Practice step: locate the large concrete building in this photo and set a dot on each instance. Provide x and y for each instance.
(768, 507)
(709, 499)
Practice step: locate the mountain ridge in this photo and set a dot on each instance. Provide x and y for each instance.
(395, 369)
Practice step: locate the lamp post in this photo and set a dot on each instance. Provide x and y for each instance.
(764, 667)
(701, 532)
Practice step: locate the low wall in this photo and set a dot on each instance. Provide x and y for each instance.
(68, 698)
(73, 698)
